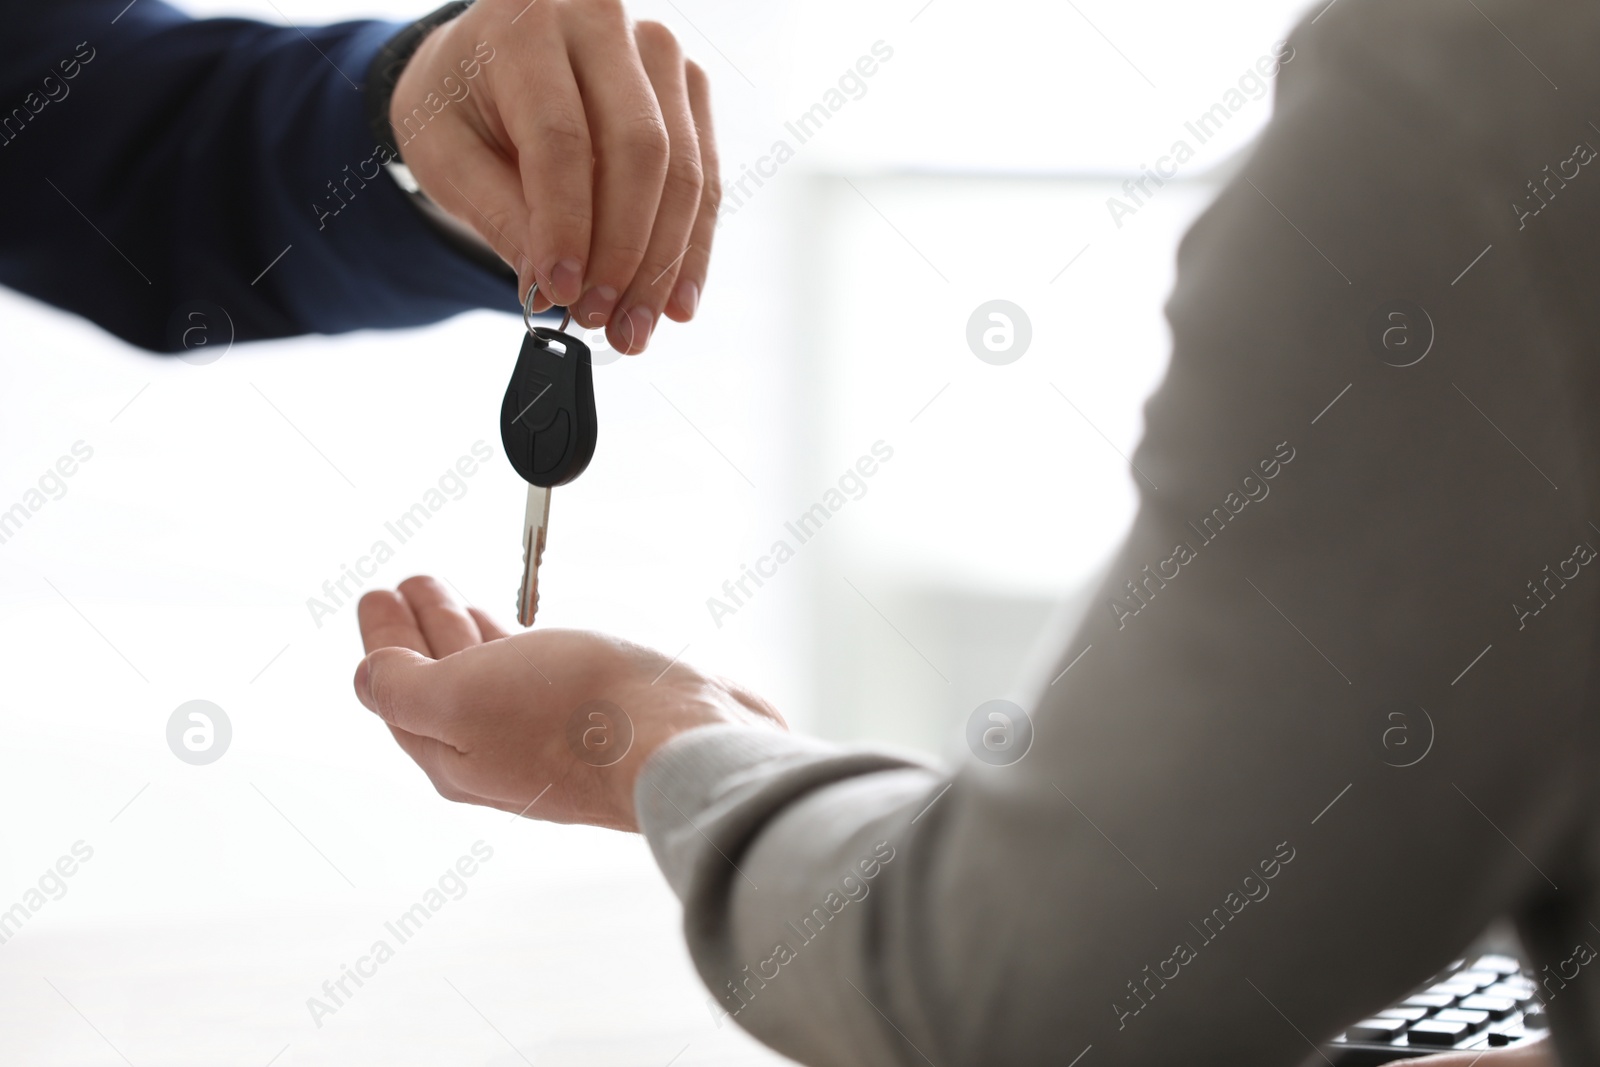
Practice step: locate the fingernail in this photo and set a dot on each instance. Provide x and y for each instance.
(363, 683)
(688, 297)
(566, 281)
(639, 324)
(595, 307)
(524, 278)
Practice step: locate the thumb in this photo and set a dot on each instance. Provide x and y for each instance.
(407, 690)
(470, 180)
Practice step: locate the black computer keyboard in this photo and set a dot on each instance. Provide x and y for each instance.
(1486, 1003)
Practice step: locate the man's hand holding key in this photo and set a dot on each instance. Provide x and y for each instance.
(583, 156)
(587, 162)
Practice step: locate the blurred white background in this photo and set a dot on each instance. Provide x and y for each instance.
(177, 565)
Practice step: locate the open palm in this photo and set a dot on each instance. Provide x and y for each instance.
(552, 724)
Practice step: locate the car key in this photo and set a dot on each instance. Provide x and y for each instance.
(534, 525)
(548, 429)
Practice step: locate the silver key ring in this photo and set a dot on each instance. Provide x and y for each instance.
(527, 310)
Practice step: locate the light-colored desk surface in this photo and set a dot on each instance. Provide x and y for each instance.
(542, 970)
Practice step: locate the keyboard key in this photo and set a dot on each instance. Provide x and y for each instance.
(1429, 1000)
(1437, 1034)
(1500, 989)
(1474, 1019)
(1497, 1007)
(1408, 1014)
(1497, 963)
(1515, 986)
(1376, 1030)
(1477, 977)
(1453, 988)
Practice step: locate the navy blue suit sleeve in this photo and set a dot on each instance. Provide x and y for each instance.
(149, 160)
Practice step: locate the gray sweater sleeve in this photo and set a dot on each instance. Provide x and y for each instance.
(1335, 709)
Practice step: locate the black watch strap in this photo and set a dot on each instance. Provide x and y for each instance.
(391, 60)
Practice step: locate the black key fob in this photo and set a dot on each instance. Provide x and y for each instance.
(547, 420)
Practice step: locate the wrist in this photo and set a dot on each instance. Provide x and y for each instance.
(407, 114)
(394, 104)
(712, 706)
(391, 64)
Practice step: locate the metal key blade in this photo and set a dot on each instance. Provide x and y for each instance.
(534, 527)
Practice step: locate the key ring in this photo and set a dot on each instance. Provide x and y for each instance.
(527, 311)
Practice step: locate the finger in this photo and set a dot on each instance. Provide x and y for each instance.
(692, 271)
(467, 177)
(407, 690)
(630, 153)
(540, 105)
(444, 622)
(439, 761)
(487, 626)
(641, 305)
(386, 621)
